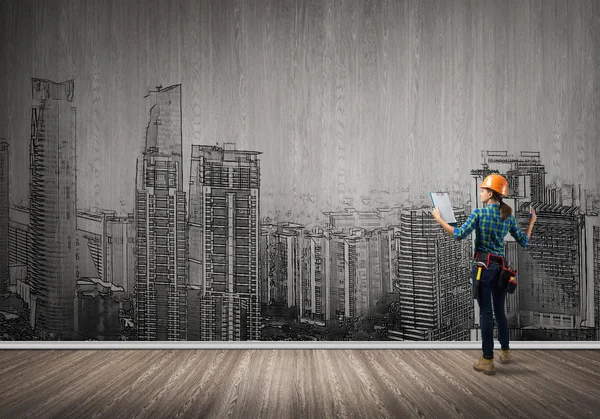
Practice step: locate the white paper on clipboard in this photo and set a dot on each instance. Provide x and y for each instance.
(441, 200)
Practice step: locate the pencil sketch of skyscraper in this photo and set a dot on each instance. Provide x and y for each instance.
(434, 280)
(106, 247)
(160, 220)
(4, 220)
(317, 275)
(374, 269)
(362, 261)
(52, 206)
(554, 283)
(267, 244)
(555, 296)
(19, 255)
(288, 280)
(343, 274)
(224, 240)
(525, 175)
(596, 242)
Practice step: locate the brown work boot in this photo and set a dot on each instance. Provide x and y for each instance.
(485, 366)
(505, 356)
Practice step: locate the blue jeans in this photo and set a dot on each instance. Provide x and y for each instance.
(489, 292)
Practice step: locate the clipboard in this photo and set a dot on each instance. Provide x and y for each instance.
(441, 200)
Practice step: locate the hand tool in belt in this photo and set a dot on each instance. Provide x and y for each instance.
(480, 266)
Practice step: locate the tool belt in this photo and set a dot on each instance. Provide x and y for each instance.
(507, 275)
(488, 258)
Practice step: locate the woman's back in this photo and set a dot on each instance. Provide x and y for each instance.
(491, 229)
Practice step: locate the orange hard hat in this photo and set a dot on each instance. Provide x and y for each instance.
(496, 183)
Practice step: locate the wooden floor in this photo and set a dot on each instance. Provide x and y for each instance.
(295, 383)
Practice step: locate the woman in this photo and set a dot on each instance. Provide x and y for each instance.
(491, 223)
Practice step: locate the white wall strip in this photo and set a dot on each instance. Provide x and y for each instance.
(531, 345)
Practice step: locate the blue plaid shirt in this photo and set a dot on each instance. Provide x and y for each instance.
(491, 230)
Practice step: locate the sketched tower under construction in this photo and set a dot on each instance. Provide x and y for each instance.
(160, 220)
(554, 299)
(4, 220)
(555, 294)
(525, 174)
(224, 240)
(52, 203)
(433, 280)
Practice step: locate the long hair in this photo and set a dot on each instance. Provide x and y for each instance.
(505, 209)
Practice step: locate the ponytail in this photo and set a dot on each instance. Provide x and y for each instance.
(505, 210)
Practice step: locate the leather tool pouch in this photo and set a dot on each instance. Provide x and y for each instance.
(475, 282)
(476, 273)
(512, 286)
(508, 279)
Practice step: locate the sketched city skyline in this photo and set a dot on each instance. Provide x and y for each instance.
(204, 264)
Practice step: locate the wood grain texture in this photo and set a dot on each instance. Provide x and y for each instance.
(352, 102)
(295, 383)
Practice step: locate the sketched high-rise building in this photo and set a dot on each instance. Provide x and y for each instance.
(554, 298)
(19, 242)
(371, 247)
(511, 257)
(374, 270)
(283, 282)
(596, 245)
(342, 297)
(362, 285)
(4, 220)
(160, 220)
(370, 256)
(120, 252)
(52, 192)
(380, 263)
(525, 174)
(266, 259)
(553, 276)
(105, 247)
(316, 276)
(224, 240)
(434, 280)
(392, 241)
(288, 285)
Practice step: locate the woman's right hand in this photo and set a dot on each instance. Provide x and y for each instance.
(532, 216)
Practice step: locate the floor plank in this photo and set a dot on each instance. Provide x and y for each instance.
(295, 383)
